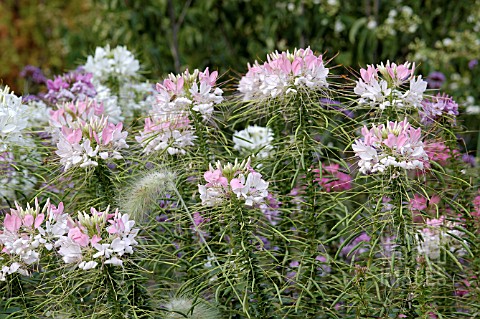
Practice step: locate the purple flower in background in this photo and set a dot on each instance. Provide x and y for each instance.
(347, 249)
(435, 80)
(34, 74)
(29, 98)
(436, 107)
(330, 104)
(472, 64)
(324, 267)
(270, 208)
(199, 221)
(70, 87)
(469, 159)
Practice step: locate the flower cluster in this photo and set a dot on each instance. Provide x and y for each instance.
(85, 142)
(98, 237)
(118, 64)
(13, 119)
(116, 79)
(254, 139)
(34, 74)
(394, 144)
(238, 180)
(68, 114)
(438, 106)
(382, 86)
(284, 73)
(26, 232)
(70, 87)
(168, 132)
(184, 92)
(331, 179)
(439, 152)
(439, 234)
(168, 126)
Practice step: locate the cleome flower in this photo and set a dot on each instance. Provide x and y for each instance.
(70, 87)
(98, 237)
(254, 139)
(13, 119)
(178, 98)
(84, 143)
(26, 232)
(438, 106)
(187, 92)
(169, 132)
(394, 144)
(331, 178)
(283, 73)
(384, 86)
(118, 64)
(439, 234)
(233, 180)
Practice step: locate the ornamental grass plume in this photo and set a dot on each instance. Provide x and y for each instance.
(183, 307)
(144, 195)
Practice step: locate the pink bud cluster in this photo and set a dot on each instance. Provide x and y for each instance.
(383, 86)
(394, 144)
(331, 179)
(229, 181)
(83, 143)
(283, 73)
(168, 126)
(98, 237)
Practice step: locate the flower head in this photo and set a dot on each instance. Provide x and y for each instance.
(284, 73)
(383, 86)
(13, 119)
(395, 144)
(70, 87)
(254, 138)
(84, 143)
(233, 180)
(438, 106)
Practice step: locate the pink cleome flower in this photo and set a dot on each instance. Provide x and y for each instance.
(394, 144)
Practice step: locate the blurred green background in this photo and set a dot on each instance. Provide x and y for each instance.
(171, 35)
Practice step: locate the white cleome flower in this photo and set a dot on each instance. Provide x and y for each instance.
(13, 119)
(254, 138)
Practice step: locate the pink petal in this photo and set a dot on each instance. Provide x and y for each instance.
(12, 223)
(28, 220)
(39, 220)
